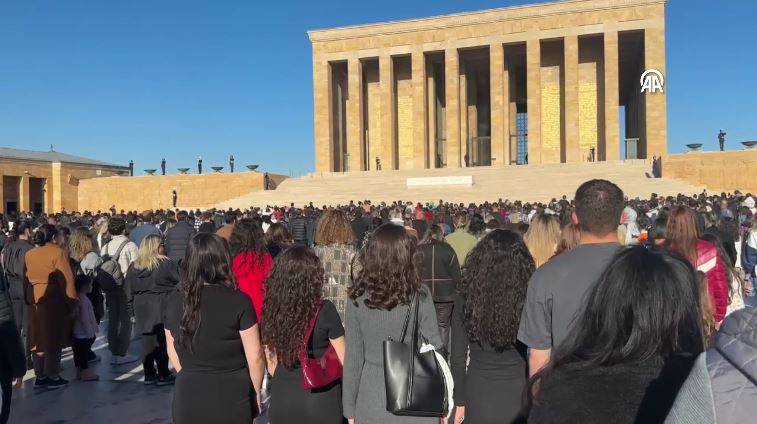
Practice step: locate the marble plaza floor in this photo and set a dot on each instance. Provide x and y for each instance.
(119, 397)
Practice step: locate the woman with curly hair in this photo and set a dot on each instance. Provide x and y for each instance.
(333, 245)
(383, 290)
(493, 291)
(294, 297)
(252, 263)
(213, 339)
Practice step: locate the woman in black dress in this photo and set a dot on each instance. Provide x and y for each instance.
(294, 294)
(493, 290)
(213, 339)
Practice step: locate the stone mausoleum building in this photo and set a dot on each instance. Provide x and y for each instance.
(32, 181)
(545, 83)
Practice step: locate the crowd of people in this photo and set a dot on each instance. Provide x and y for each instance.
(595, 309)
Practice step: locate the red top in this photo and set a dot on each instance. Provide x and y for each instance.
(710, 262)
(250, 275)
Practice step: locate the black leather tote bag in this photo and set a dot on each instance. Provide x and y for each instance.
(414, 382)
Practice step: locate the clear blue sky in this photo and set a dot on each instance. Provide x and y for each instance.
(143, 79)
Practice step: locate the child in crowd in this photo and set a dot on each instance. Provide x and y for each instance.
(85, 329)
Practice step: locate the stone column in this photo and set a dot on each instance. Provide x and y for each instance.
(533, 82)
(464, 117)
(24, 202)
(572, 148)
(452, 110)
(58, 179)
(420, 146)
(355, 145)
(431, 115)
(498, 104)
(655, 103)
(611, 150)
(386, 78)
(324, 157)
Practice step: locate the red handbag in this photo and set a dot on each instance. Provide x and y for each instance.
(318, 372)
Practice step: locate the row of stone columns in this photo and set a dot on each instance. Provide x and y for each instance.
(501, 122)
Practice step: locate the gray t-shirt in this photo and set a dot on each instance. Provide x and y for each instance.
(557, 292)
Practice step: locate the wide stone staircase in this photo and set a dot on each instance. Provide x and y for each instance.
(525, 182)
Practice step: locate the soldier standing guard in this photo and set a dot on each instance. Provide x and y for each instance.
(721, 140)
(231, 163)
(199, 164)
(131, 168)
(163, 166)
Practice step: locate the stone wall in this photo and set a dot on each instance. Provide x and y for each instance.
(153, 192)
(718, 171)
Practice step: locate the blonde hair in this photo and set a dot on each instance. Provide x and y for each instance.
(570, 235)
(149, 257)
(80, 244)
(542, 237)
(334, 228)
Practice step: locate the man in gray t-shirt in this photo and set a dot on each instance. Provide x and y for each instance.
(557, 291)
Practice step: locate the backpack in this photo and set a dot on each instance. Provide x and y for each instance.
(109, 273)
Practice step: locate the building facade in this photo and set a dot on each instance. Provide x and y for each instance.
(32, 181)
(545, 83)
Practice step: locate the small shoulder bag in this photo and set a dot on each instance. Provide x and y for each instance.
(318, 372)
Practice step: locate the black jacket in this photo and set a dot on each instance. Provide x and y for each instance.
(12, 361)
(14, 259)
(177, 239)
(298, 227)
(440, 270)
(149, 289)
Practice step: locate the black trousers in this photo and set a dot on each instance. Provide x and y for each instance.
(119, 322)
(6, 386)
(444, 318)
(21, 315)
(82, 348)
(158, 358)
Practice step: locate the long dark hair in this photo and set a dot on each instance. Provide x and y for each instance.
(493, 285)
(207, 261)
(293, 292)
(45, 234)
(247, 236)
(645, 305)
(388, 274)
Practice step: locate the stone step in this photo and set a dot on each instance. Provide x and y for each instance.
(526, 183)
